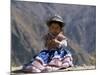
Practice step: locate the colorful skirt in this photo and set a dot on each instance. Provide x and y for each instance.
(47, 57)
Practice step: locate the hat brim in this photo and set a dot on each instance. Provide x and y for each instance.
(60, 23)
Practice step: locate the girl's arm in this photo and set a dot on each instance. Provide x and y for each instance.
(62, 43)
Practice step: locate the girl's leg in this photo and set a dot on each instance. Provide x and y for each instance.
(30, 68)
(67, 62)
(38, 63)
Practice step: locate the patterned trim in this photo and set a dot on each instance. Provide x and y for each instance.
(57, 56)
(38, 58)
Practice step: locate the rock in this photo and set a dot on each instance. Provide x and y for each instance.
(28, 25)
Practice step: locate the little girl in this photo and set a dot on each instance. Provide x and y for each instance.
(55, 53)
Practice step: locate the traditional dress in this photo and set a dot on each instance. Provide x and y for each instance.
(54, 55)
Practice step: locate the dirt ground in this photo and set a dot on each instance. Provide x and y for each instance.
(17, 70)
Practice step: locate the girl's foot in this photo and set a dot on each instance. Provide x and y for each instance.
(67, 62)
(35, 66)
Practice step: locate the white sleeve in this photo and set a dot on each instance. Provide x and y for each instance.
(63, 43)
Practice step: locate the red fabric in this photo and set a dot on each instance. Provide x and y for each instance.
(49, 36)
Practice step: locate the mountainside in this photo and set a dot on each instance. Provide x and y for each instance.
(28, 25)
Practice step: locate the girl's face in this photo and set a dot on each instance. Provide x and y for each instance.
(54, 28)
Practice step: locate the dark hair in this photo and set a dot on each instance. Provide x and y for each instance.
(59, 23)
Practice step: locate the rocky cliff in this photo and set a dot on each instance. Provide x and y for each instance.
(28, 25)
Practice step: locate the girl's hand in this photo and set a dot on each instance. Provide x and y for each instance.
(53, 43)
(56, 41)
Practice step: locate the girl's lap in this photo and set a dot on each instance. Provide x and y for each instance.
(47, 58)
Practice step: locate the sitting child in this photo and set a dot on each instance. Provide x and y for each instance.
(55, 53)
